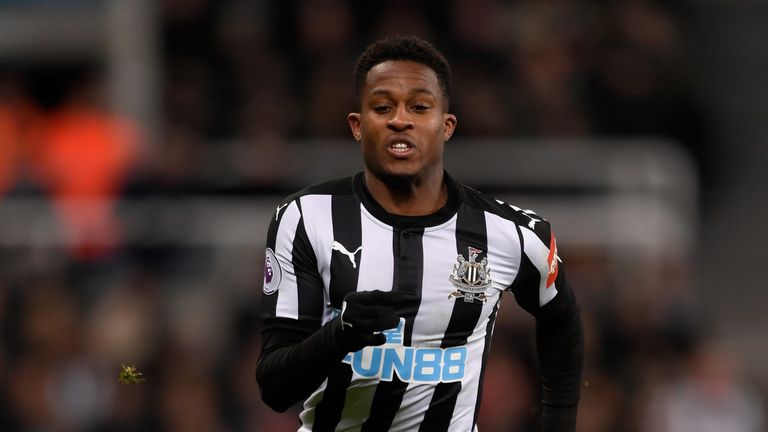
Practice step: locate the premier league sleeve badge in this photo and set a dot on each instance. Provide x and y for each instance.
(273, 274)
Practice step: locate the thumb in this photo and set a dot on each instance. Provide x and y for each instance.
(378, 339)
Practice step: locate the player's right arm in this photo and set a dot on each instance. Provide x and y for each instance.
(298, 351)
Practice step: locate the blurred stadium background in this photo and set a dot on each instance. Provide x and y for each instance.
(144, 145)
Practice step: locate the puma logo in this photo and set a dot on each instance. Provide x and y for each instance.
(528, 213)
(277, 212)
(351, 255)
(532, 223)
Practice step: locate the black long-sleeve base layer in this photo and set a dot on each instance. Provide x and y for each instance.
(560, 343)
(295, 361)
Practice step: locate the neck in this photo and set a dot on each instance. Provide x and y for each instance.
(413, 197)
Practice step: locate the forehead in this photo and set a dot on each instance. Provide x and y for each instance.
(401, 75)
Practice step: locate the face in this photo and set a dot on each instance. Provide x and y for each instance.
(403, 123)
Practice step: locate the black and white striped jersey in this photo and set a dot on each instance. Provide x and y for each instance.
(331, 239)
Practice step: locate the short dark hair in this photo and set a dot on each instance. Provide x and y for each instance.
(409, 48)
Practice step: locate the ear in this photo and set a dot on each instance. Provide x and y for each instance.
(449, 125)
(354, 124)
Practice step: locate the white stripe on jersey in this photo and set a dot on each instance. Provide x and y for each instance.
(503, 247)
(376, 261)
(464, 412)
(415, 399)
(436, 307)
(307, 415)
(357, 405)
(287, 300)
(316, 210)
(537, 252)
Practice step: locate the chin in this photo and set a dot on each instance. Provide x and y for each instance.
(396, 178)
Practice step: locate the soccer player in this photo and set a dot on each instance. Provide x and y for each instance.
(381, 290)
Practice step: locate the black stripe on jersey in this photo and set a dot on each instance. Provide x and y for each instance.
(543, 230)
(328, 411)
(386, 402)
(409, 272)
(274, 224)
(526, 285)
(309, 283)
(440, 411)
(408, 251)
(470, 232)
(486, 349)
(347, 230)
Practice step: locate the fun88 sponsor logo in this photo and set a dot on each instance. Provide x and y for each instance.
(410, 364)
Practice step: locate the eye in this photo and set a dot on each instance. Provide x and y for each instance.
(382, 109)
(420, 108)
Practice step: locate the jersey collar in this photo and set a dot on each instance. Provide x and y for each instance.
(398, 221)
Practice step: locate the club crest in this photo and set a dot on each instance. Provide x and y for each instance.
(470, 278)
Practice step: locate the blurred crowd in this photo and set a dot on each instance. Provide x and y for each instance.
(266, 72)
(240, 79)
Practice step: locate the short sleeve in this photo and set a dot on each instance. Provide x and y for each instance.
(292, 286)
(540, 276)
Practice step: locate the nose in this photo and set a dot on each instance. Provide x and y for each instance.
(400, 120)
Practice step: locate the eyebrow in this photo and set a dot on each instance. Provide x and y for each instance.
(412, 92)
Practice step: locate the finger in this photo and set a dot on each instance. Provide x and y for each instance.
(401, 299)
(370, 311)
(360, 313)
(383, 298)
(377, 339)
(378, 323)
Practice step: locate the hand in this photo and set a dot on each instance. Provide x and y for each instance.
(365, 314)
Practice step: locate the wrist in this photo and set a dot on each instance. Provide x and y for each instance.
(557, 418)
(339, 346)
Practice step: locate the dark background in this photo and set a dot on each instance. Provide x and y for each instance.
(144, 145)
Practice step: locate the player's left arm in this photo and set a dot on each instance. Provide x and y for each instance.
(542, 290)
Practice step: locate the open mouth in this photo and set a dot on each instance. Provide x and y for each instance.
(400, 147)
(401, 150)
